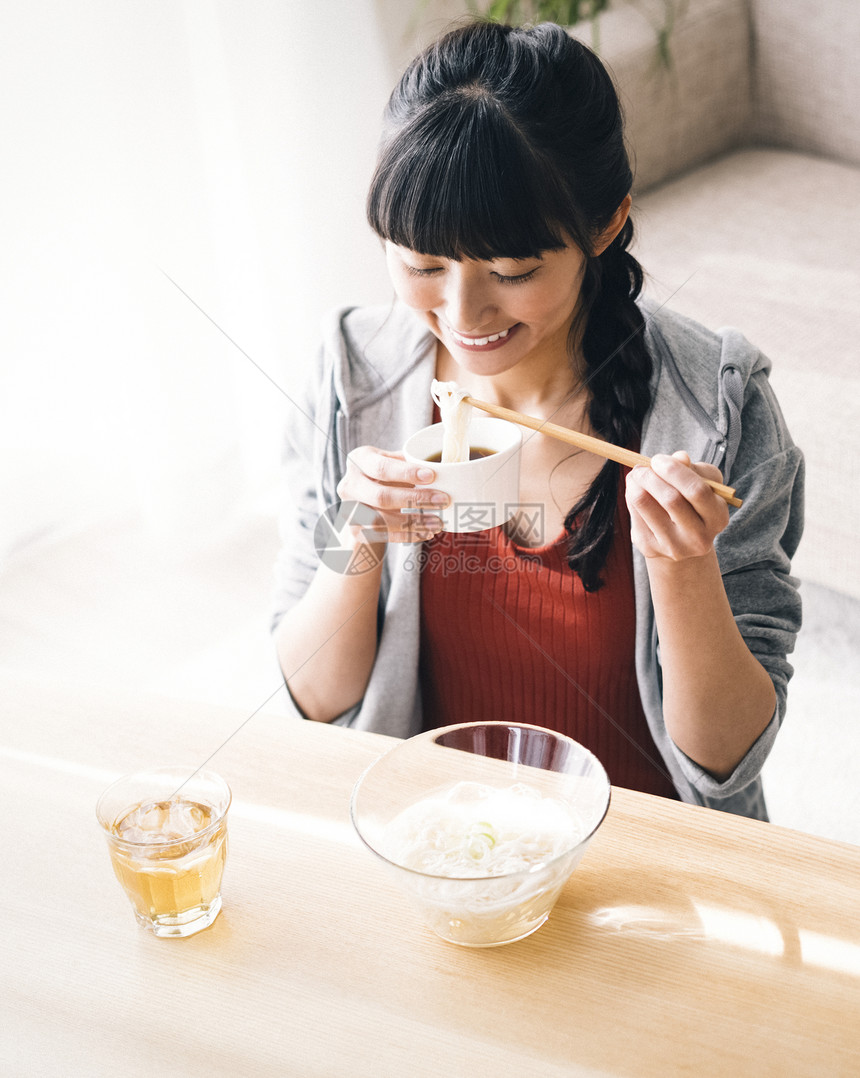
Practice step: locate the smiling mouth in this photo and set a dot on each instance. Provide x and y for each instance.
(483, 342)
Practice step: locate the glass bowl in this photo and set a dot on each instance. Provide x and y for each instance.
(482, 824)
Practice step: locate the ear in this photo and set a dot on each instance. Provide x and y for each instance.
(619, 218)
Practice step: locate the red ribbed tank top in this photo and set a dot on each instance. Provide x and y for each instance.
(509, 633)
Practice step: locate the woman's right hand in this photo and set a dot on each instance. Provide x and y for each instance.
(388, 483)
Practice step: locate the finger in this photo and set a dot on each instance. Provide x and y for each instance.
(390, 498)
(396, 528)
(684, 490)
(387, 467)
(674, 521)
(640, 534)
(707, 471)
(415, 530)
(407, 500)
(657, 498)
(371, 534)
(644, 493)
(664, 522)
(710, 509)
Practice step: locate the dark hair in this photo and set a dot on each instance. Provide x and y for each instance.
(500, 142)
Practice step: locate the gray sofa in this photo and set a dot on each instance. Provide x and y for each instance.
(747, 162)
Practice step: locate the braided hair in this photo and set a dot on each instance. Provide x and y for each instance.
(503, 142)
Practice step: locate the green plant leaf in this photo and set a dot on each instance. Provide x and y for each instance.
(500, 10)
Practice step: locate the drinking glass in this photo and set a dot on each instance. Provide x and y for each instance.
(166, 831)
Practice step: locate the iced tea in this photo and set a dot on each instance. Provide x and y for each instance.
(168, 852)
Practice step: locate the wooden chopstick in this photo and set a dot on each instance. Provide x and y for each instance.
(586, 442)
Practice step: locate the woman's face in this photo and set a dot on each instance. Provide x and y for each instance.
(493, 315)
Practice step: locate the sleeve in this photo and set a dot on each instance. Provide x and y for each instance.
(306, 434)
(755, 552)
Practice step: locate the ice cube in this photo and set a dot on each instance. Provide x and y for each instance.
(163, 821)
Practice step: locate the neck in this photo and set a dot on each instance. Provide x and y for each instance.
(545, 388)
(535, 391)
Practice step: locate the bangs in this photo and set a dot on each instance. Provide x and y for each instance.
(459, 181)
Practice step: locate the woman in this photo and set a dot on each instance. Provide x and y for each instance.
(641, 617)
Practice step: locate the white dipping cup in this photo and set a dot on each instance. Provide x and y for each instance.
(484, 492)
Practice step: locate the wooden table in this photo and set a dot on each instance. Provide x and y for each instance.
(687, 942)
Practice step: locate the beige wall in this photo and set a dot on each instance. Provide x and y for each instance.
(408, 25)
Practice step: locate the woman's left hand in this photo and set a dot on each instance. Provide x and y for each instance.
(673, 514)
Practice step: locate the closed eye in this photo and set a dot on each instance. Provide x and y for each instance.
(520, 278)
(431, 271)
(416, 271)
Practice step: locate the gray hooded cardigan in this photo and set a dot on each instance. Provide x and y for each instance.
(711, 397)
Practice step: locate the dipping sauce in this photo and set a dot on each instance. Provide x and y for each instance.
(475, 453)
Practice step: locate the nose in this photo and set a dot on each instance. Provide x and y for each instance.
(468, 307)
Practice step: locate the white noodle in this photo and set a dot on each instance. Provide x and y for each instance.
(473, 830)
(456, 416)
(489, 862)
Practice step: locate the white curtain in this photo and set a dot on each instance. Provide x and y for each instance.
(216, 148)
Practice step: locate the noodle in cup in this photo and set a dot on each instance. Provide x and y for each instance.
(484, 492)
(482, 824)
